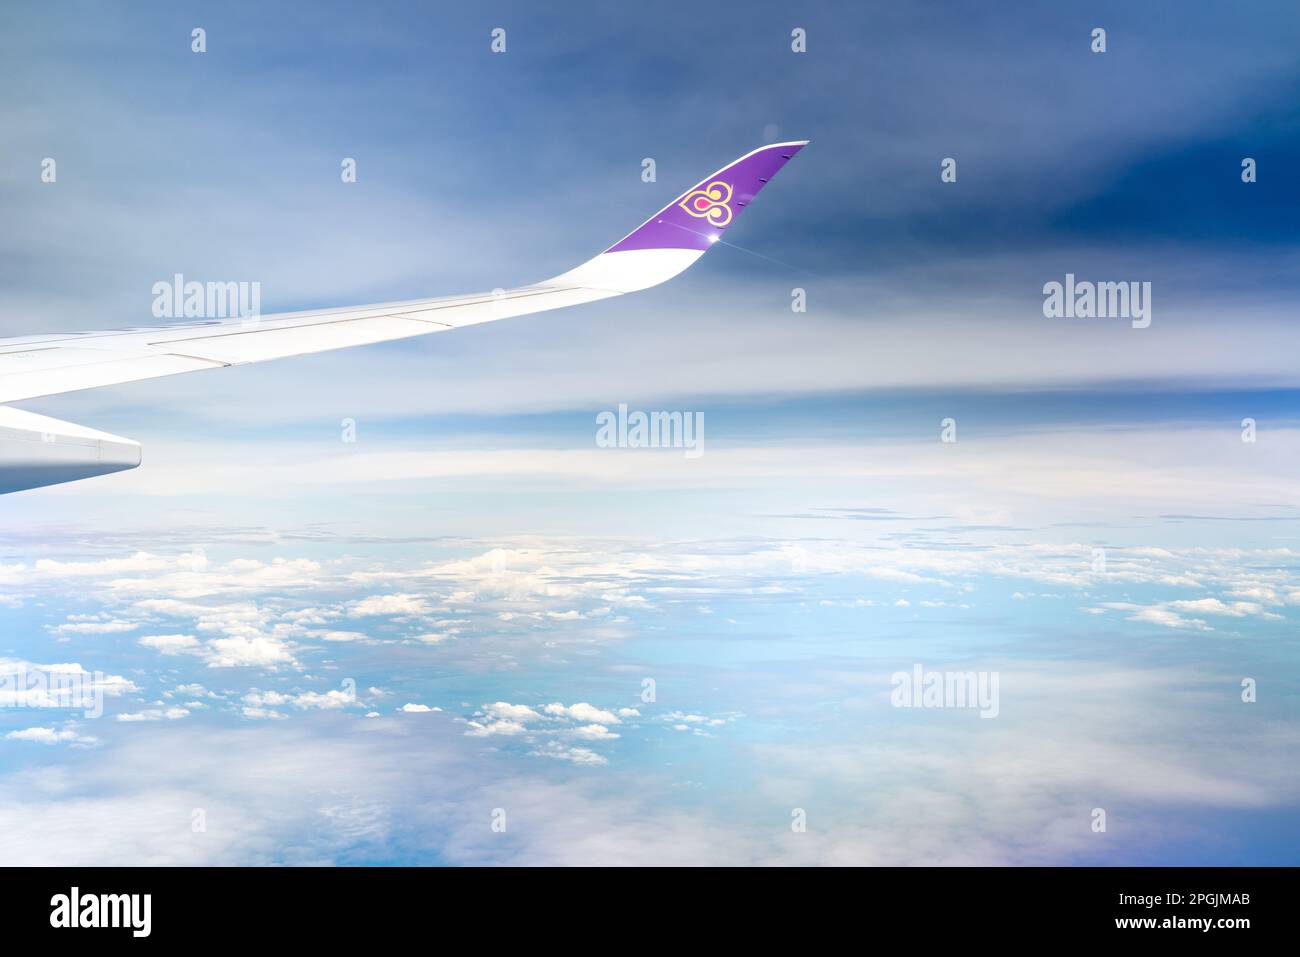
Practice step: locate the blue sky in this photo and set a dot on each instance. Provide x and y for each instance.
(271, 608)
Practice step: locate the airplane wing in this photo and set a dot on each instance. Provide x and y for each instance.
(37, 451)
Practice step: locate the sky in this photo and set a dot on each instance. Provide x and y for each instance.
(398, 605)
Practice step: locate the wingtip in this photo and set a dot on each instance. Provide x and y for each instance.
(669, 241)
(695, 220)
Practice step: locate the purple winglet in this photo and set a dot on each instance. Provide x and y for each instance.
(697, 218)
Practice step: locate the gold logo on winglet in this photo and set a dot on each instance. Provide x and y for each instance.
(709, 202)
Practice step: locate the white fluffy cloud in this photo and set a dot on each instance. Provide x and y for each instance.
(571, 753)
(545, 726)
(94, 627)
(155, 714)
(49, 736)
(172, 644)
(582, 712)
(397, 605)
(262, 704)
